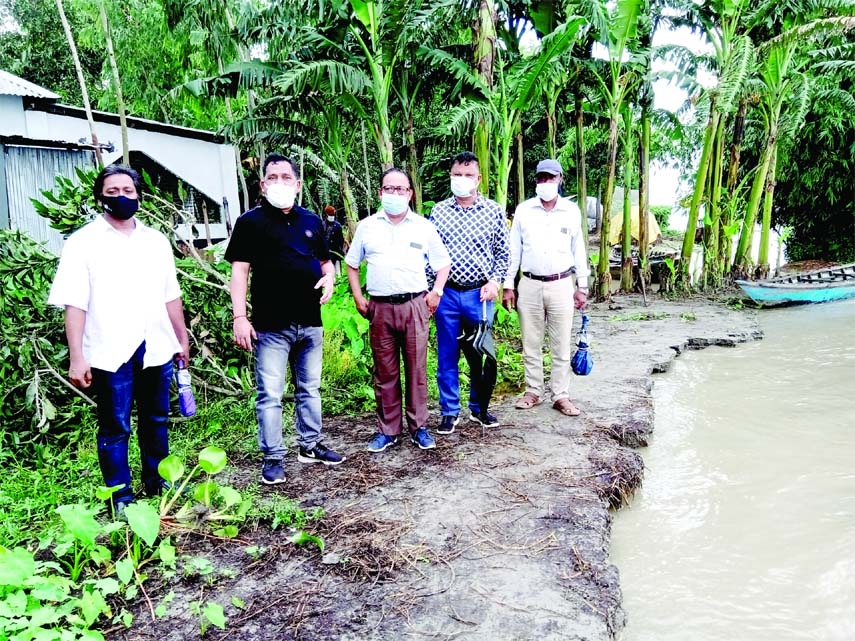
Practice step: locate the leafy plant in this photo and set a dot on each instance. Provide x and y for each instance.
(210, 503)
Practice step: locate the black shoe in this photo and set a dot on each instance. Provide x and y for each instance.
(319, 454)
(486, 419)
(448, 423)
(272, 472)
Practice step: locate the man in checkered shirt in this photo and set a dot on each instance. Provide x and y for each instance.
(474, 230)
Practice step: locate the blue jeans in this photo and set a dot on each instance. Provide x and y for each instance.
(300, 347)
(115, 393)
(456, 310)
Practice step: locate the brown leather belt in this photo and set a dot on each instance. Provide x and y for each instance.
(550, 277)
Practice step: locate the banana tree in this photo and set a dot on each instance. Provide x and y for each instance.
(616, 83)
(783, 103)
(733, 56)
(502, 106)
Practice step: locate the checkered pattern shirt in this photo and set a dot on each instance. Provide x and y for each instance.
(476, 238)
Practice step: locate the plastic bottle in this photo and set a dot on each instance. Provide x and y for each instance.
(186, 400)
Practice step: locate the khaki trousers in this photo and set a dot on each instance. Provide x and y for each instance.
(546, 308)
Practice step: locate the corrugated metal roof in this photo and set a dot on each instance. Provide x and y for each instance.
(11, 85)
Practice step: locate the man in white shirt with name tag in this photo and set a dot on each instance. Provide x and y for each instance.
(125, 325)
(547, 244)
(397, 244)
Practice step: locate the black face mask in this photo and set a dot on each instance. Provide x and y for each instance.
(120, 207)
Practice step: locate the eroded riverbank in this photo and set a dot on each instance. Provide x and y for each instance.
(497, 534)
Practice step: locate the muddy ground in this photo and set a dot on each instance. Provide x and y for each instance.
(498, 534)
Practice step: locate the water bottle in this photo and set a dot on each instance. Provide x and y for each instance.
(186, 400)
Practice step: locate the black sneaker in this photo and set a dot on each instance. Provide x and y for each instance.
(486, 419)
(272, 472)
(448, 423)
(319, 454)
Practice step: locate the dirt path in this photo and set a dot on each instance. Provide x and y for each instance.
(499, 534)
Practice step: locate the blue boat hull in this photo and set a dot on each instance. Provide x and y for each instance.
(770, 294)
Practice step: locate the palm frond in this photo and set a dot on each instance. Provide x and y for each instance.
(623, 27)
(338, 77)
(552, 46)
(461, 120)
(737, 69)
(458, 69)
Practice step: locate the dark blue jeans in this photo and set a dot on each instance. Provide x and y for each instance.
(115, 393)
(457, 311)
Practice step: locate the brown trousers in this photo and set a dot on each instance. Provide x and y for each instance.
(398, 331)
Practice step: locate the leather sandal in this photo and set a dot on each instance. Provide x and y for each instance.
(567, 408)
(528, 400)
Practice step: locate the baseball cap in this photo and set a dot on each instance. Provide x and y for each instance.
(549, 166)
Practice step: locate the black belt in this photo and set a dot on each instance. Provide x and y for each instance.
(397, 299)
(465, 287)
(549, 278)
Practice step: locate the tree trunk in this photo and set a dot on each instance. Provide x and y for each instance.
(413, 161)
(120, 100)
(644, 200)
(713, 263)
(551, 124)
(683, 277)
(484, 46)
(368, 194)
(82, 80)
(743, 249)
(351, 211)
(581, 169)
(626, 231)
(604, 276)
(763, 266)
(520, 169)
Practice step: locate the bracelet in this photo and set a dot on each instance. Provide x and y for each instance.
(238, 316)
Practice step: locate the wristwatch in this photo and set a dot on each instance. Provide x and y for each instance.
(438, 292)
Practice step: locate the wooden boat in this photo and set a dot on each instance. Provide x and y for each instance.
(820, 286)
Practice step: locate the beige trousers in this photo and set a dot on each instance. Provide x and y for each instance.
(546, 308)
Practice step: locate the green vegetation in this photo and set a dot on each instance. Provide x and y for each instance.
(349, 87)
(352, 86)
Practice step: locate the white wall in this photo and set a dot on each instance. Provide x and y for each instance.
(207, 166)
(12, 122)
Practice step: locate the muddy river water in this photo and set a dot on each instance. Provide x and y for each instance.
(744, 528)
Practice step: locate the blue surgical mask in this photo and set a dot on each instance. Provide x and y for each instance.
(120, 207)
(395, 204)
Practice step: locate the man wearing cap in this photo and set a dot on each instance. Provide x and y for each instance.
(548, 246)
(474, 229)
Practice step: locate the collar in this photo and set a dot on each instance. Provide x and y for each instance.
(382, 214)
(101, 224)
(562, 204)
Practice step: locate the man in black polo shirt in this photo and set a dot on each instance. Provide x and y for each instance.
(292, 276)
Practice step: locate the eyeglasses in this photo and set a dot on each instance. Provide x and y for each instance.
(389, 189)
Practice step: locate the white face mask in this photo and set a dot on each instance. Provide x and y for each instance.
(331, 218)
(462, 186)
(547, 191)
(394, 204)
(281, 196)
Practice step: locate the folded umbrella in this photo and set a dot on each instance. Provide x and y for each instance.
(479, 349)
(582, 362)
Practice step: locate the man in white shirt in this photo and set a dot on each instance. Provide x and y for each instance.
(397, 244)
(125, 323)
(547, 244)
